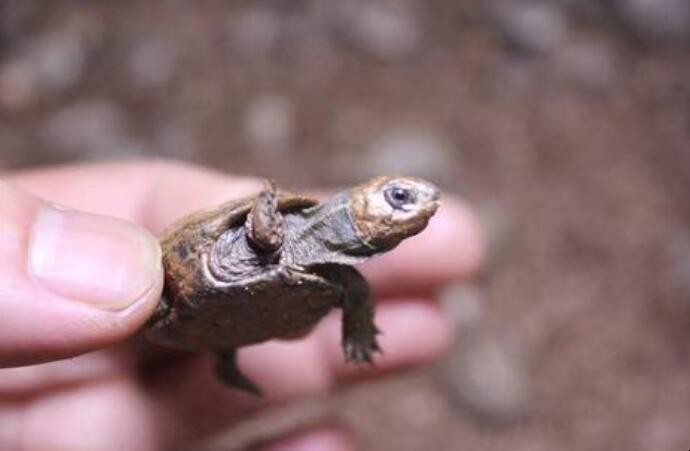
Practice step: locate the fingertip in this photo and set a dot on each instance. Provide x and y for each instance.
(325, 438)
(110, 414)
(459, 227)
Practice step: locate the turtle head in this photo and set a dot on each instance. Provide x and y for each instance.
(386, 210)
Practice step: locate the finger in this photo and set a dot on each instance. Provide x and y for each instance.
(70, 282)
(108, 416)
(315, 439)
(450, 248)
(154, 194)
(414, 332)
(24, 381)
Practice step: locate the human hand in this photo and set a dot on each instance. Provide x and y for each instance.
(74, 283)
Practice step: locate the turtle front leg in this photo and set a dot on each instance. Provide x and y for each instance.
(265, 225)
(229, 374)
(359, 331)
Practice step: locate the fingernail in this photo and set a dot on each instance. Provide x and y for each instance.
(101, 261)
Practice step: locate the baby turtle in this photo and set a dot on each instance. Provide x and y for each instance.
(272, 265)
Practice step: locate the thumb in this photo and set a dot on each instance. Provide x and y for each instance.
(70, 282)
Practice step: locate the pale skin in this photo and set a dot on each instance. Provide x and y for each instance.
(98, 400)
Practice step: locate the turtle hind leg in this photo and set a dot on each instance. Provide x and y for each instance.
(265, 225)
(229, 374)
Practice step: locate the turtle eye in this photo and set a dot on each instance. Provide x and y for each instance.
(399, 197)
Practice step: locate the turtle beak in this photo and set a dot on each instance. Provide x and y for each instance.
(436, 196)
(428, 201)
(433, 196)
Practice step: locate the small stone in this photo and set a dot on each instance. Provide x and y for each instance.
(588, 62)
(58, 59)
(531, 26)
(657, 21)
(426, 405)
(461, 303)
(17, 15)
(14, 145)
(675, 274)
(255, 31)
(663, 431)
(511, 76)
(487, 377)
(18, 86)
(590, 10)
(50, 64)
(176, 140)
(89, 129)
(152, 63)
(388, 30)
(269, 124)
(410, 151)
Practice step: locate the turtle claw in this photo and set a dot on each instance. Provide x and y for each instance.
(361, 348)
(230, 375)
(240, 382)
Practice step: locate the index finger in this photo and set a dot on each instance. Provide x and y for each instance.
(156, 193)
(152, 194)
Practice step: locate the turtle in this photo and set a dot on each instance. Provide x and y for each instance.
(270, 266)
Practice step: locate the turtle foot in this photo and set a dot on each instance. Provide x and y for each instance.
(360, 348)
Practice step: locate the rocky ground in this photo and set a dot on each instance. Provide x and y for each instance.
(567, 124)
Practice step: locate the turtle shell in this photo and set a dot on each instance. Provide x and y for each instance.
(210, 224)
(201, 312)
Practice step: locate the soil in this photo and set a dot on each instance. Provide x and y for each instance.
(567, 127)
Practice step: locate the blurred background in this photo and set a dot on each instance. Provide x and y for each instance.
(566, 123)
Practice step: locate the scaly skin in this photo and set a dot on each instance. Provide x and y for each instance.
(273, 265)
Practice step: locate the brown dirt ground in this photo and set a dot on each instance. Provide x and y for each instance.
(582, 178)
